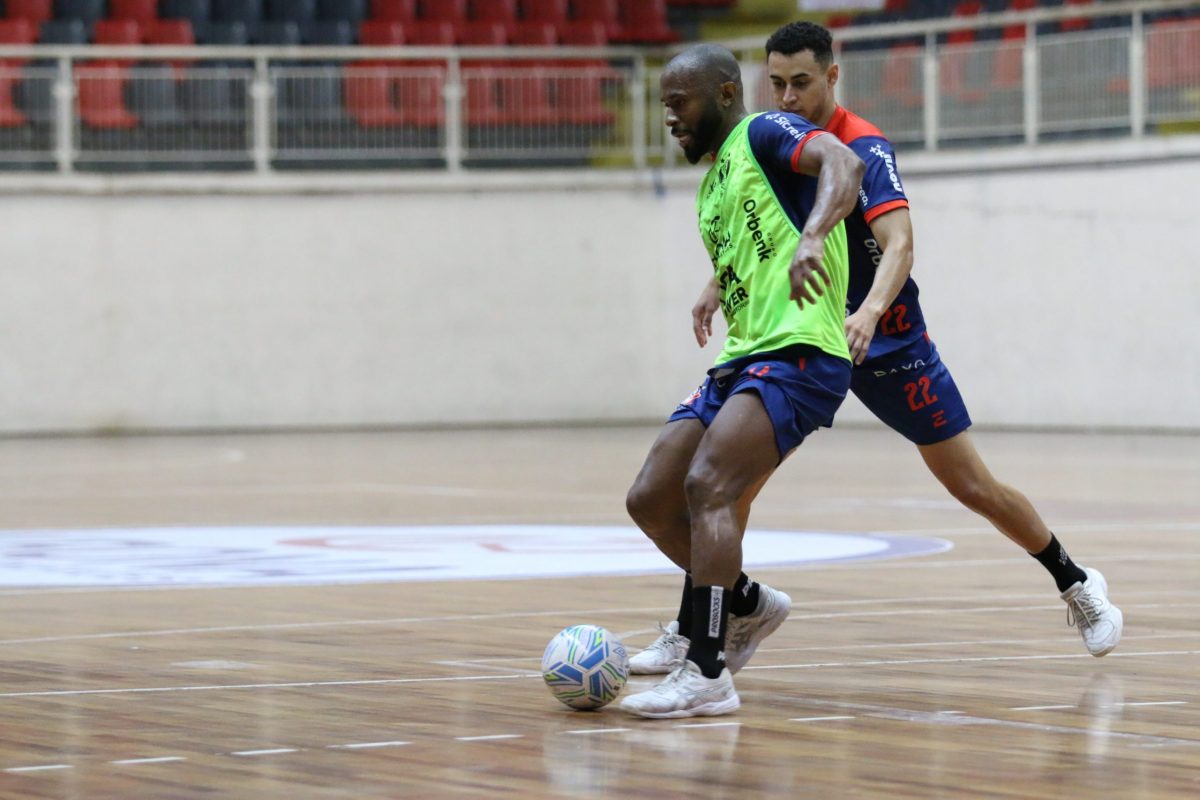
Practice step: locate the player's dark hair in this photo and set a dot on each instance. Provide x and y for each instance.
(797, 36)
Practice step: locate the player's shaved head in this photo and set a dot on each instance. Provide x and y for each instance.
(702, 90)
(705, 66)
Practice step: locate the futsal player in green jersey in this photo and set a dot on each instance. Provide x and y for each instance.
(770, 212)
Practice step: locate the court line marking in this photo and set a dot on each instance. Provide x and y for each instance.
(269, 752)
(820, 719)
(489, 738)
(1041, 708)
(366, 745)
(159, 760)
(564, 613)
(453, 678)
(43, 768)
(966, 660)
(586, 731)
(1154, 703)
(936, 718)
(967, 530)
(707, 725)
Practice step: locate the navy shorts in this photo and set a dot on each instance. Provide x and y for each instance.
(800, 386)
(911, 391)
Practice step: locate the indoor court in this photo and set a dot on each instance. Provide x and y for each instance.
(945, 674)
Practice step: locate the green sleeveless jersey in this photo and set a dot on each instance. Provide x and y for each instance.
(753, 205)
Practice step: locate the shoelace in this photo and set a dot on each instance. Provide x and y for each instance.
(666, 642)
(1083, 609)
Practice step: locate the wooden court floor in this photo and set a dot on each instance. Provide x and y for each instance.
(947, 675)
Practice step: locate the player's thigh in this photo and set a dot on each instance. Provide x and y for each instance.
(737, 453)
(662, 475)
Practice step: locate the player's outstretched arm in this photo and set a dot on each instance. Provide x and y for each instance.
(839, 174)
(893, 231)
(702, 313)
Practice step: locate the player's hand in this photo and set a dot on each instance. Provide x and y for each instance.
(860, 329)
(807, 272)
(703, 311)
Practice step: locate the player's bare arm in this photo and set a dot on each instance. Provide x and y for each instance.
(703, 311)
(893, 232)
(839, 173)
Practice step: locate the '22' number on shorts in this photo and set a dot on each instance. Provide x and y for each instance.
(892, 323)
(926, 399)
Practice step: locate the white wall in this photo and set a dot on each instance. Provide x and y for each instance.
(1058, 297)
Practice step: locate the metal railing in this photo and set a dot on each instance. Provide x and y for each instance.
(264, 109)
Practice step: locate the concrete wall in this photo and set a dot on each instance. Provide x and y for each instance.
(1058, 296)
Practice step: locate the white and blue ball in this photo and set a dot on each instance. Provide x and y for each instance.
(585, 666)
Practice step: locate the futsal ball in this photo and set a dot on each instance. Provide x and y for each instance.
(585, 666)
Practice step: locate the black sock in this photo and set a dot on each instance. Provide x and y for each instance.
(745, 597)
(685, 607)
(1056, 561)
(710, 614)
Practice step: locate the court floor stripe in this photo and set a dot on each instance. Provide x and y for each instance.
(529, 675)
(907, 611)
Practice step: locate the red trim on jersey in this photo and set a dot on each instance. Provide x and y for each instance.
(883, 208)
(848, 127)
(800, 147)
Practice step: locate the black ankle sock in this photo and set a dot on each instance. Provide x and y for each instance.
(1056, 561)
(710, 613)
(744, 599)
(685, 607)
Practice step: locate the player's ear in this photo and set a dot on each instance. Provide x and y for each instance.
(832, 75)
(727, 93)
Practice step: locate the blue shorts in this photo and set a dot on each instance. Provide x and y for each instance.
(911, 391)
(800, 386)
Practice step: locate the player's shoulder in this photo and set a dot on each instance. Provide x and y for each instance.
(780, 123)
(853, 129)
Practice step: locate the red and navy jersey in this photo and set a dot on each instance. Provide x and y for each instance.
(881, 191)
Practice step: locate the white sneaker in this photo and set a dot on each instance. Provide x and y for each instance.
(744, 634)
(686, 693)
(1098, 620)
(664, 654)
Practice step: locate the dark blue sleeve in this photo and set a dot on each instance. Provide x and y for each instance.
(778, 138)
(881, 187)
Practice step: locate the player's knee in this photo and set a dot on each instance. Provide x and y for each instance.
(645, 506)
(978, 495)
(707, 487)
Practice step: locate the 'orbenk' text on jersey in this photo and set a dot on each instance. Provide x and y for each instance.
(881, 191)
(753, 205)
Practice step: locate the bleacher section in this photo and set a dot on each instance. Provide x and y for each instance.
(341, 22)
(513, 104)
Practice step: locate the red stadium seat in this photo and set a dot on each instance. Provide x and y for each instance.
(502, 11)
(381, 33)
(1075, 23)
(452, 11)
(482, 34)
(16, 31)
(584, 34)
(534, 34)
(645, 22)
(143, 11)
(901, 73)
(440, 34)
(118, 31)
(552, 11)
(419, 96)
(523, 94)
(170, 32)
(370, 97)
(102, 97)
(602, 11)
(579, 97)
(35, 11)
(967, 8)
(394, 10)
